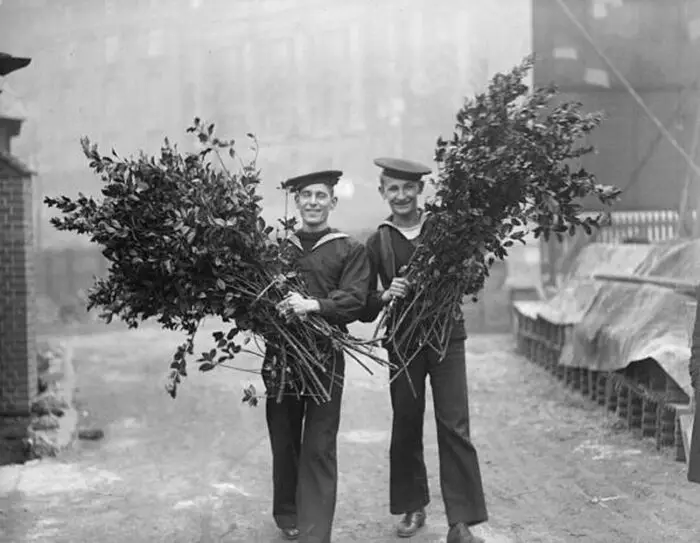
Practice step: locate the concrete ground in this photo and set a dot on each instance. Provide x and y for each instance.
(197, 469)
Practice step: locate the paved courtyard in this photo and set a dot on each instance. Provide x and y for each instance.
(197, 469)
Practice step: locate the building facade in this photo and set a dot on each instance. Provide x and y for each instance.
(655, 47)
(321, 83)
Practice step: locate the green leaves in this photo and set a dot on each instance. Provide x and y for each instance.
(184, 238)
(506, 167)
(509, 165)
(185, 241)
(249, 396)
(164, 223)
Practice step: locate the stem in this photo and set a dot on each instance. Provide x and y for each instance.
(264, 291)
(221, 161)
(255, 353)
(354, 356)
(223, 365)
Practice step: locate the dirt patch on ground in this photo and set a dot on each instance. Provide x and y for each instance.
(556, 469)
(559, 469)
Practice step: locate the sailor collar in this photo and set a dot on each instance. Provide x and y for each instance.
(388, 222)
(294, 239)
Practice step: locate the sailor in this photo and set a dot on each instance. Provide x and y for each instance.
(303, 432)
(390, 248)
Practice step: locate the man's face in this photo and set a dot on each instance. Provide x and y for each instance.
(401, 195)
(315, 203)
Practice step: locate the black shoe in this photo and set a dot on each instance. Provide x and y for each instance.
(411, 523)
(290, 533)
(460, 533)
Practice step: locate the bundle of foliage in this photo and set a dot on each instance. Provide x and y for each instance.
(185, 240)
(510, 164)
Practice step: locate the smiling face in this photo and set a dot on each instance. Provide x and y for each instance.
(315, 203)
(401, 195)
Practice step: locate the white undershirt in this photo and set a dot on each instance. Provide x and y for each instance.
(411, 232)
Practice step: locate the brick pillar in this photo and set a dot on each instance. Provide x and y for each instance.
(18, 372)
(18, 358)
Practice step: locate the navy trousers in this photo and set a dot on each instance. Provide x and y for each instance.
(460, 476)
(303, 435)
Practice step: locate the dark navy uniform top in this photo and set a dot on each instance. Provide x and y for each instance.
(336, 270)
(389, 251)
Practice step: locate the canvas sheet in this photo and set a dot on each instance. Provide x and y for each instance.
(624, 323)
(578, 288)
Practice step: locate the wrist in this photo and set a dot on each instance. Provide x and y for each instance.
(385, 297)
(314, 306)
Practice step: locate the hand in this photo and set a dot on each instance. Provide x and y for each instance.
(398, 289)
(297, 305)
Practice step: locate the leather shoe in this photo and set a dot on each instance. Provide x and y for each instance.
(411, 523)
(290, 533)
(460, 533)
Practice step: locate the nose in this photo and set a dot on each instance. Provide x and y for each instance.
(402, 193)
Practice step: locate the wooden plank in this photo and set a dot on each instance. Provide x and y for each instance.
(688, 288)
(693, 438)
(687, 431)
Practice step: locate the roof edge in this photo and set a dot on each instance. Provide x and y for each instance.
(15, 164)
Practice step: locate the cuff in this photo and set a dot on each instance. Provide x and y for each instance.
(326, 308)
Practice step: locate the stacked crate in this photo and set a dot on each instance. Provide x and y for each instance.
(642, 394)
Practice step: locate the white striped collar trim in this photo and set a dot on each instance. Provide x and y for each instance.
(325, 239)
(423, 218)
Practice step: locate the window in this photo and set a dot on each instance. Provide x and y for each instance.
(326, 53)
(70, 54)
(274, 84)
(111, 48)
(68, 13)
(155, 42)
(112, 99)
(355, 118)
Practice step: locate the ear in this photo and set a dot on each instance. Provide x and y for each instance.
(334, 201)
(296, 198)
(421, 186)
(381, 191)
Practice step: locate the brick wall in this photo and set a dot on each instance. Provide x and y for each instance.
(18, 372)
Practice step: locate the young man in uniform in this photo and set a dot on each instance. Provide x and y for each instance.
(303, 433)
(390, 249)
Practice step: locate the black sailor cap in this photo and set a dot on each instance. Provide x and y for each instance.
(327, 177)
(399, 168)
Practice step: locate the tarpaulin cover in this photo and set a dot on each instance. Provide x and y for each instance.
(578, 288)
(624, 323)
